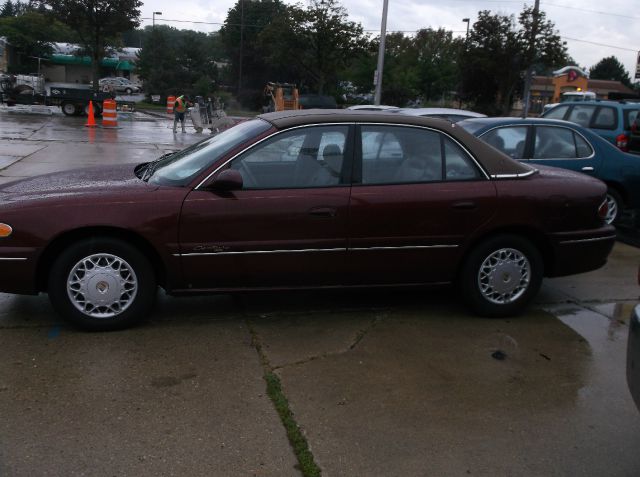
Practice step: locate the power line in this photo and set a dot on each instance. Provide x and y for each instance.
(619, 15)
(598, 44)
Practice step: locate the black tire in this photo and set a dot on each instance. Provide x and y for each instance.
(69, 109)
(128, 91)
(616, 206)
(507, 289)
(114, 283)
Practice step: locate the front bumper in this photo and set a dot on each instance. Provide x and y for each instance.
(18, 270)
(582, 251)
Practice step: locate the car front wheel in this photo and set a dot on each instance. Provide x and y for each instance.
(102, 284)
(501, 275)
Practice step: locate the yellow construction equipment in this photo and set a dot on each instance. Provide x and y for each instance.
(282, 96)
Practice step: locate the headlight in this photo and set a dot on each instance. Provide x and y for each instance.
(5, 230)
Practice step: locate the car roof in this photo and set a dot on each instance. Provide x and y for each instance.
(425, 111)
(494, 162)
(372, 107)
(601, 102)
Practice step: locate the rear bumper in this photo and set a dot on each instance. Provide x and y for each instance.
(18, 270)
(633, 356)
(579, 252)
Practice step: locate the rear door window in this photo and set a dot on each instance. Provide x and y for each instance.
(581, 114)
(553, 142)
(630, 116)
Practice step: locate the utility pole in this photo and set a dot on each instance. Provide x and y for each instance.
(383, 35)
(241, 44)
(531, 57)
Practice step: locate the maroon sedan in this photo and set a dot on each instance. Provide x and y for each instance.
(309, 199)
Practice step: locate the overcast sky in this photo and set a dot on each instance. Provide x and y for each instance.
(593, 29)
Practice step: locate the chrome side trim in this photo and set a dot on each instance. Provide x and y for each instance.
(259, 252)
(13, 259)
(407, 247)
(597, 239)
(515, 176)
(312, 250)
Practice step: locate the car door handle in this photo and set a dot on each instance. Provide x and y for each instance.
(323, 212)
(587, 169)
(465, 205)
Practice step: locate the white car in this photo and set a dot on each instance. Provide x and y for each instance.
(371, 107)
(450, 114)
(120, 85)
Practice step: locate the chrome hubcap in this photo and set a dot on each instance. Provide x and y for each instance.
(504, 276)
(102, 285)
(612, 209)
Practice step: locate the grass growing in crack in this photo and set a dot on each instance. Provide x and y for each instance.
(297, 440)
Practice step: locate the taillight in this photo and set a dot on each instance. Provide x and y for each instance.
(622, 141)
(603, 209)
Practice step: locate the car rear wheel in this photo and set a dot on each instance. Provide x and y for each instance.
(102, 284)
(128, 91)
(614, 207)
(501, 275)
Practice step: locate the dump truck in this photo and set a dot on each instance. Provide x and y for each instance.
(72, 99)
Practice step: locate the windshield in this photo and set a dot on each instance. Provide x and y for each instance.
(181, 167)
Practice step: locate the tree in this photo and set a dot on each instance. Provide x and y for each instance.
(498, 52)
(175, 61)
(610, 69)
(98, 24)
(239, 38)
(317, 42)
(31, 33)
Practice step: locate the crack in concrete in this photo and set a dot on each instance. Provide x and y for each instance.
(360, 335)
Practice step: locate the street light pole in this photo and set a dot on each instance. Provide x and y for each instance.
(467, 20)
(241, 46)
(532, 56)
(383, 35)
(153, 18)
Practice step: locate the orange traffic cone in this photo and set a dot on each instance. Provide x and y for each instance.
(91, 122)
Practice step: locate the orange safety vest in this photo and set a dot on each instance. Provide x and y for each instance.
(179, 106)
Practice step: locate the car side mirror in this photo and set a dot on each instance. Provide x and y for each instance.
(229, 179)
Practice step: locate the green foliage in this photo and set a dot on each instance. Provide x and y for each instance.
(98, 24)
(31, 32)
(308, 467)
(239, 39)
(313, 45)
(173, 62)
(610, 68)
(498, 53)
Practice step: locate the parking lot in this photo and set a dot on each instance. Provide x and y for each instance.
(393, 383)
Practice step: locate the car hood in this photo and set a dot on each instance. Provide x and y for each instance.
(88, 181)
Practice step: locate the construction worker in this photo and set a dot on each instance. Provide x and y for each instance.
(179, 108)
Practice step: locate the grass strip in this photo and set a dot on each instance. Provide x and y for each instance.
(297, 440)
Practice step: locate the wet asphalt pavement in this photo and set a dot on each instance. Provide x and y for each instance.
(392, 383)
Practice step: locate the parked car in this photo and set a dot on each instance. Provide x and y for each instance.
(452, 115)
(299, 199)
(610, 119)
(317, 101)
(567, 145)
(572, 97)
(120, 85)
(633, 353)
